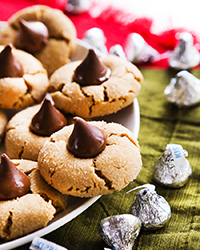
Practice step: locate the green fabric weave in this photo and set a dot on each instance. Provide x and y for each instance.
(161, 123)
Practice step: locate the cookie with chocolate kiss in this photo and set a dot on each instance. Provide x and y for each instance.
(95, 87)
(26, 200)
(29, 129)
(90, 158)
(45, 32)
(23, 79)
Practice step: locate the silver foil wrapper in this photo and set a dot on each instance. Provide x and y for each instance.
(117, 50)
(172, 169)
(120, 231)
(185, 54)
(137, 50)
(184, 89)
(152, 209)
(77, 6)
(96, 38)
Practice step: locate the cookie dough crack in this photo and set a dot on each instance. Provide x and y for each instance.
(89, 96)
(105, 95)
(105, 99)
(22, 151)
(60, 37)
(124, 135)
(7, 228)
(35, 73)
(108, 183)
(59, 88)
(80, 190)
(135, 77)
(93, 104)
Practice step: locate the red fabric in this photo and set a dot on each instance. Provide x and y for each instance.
(116, 32)
(111, 21)
(9, 7)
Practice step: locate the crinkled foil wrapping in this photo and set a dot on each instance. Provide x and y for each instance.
(185, 54)
(137, 50)
(172, 169)
(77, 6)
(120, 231)
(152, 209)
(117, 50)
(96, 38)
(184, 89)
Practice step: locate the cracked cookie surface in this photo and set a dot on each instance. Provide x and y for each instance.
(39, 185)
(32, 211)
(111, 170)
(20, 141)
(30, 89)
(109, 97)
(62, 34)
(24, 215)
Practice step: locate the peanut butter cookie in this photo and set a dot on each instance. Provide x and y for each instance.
(27, 130)
(45, 32)
(91, 90)
(90, 172)
(22, 212)
(23, 79)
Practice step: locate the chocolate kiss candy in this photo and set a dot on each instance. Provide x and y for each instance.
(9, 65)
(117, 50)
(120, 231)
(13, 182)
(91, 71)
(96, 38)
(31, 36)
(172, 169)
(138, 50)
(183, 90)
(152, 209)
(47, 120)
(185, 54)
(77, 6)
(86, 140)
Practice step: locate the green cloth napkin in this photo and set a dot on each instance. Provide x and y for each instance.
(161, 123)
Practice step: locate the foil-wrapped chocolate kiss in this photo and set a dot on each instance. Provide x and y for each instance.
(117, 50)
(152, 209)
(120, 231)
(172, 169)
(183, 90)
(77, 6)
(96, 38)
(185, 54)
(137, 50)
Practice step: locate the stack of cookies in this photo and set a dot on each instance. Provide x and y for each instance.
(53, 148)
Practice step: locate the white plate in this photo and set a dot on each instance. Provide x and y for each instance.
(129, 117)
